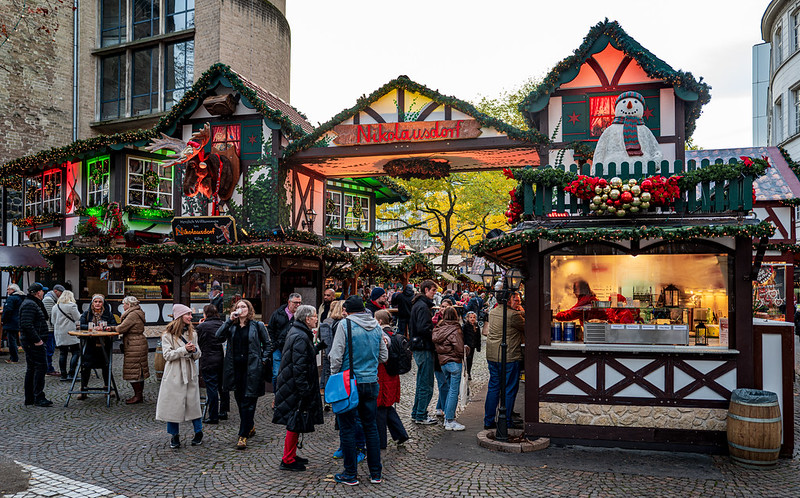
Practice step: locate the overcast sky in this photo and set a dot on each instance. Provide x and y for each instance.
(466, 48)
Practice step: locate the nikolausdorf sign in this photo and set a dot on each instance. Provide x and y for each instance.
(413, 131)
(204, 229)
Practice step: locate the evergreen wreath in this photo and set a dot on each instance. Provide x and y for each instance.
(98, 171)
(151, 180)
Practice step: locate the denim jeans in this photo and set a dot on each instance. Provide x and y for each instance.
(173, 427)
(366, 411)
(13, 340)
(443, 384)
(36, 362)
(211, 377)
(452, 371)
(62, 360)
(424, 393)
(276, 366)
(50, 346)
(387, 418)
(493, 393)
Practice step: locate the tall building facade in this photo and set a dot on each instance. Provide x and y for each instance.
(118, 65)
(780, 27)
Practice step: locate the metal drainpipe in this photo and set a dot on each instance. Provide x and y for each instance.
(75, 30)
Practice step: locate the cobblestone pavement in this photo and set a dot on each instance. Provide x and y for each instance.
(122, 449)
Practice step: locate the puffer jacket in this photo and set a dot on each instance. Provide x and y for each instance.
(134, 365)
(32, 320)
(449, 341)
(64, 317)
(389, 392)
(298, 382)
(420, 325)
(11, 311)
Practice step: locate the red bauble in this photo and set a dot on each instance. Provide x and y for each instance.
(626, 197)
(610, 202)
(617, 203)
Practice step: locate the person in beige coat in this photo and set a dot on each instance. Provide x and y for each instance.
(179, 395)
(135, 368)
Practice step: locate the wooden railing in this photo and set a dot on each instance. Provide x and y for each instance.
(706, 197)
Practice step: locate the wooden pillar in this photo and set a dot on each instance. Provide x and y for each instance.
(533, 307)
(741, 316)
(177, 278)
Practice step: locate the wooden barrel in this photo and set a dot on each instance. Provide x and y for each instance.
(754, 428)
(159, 362)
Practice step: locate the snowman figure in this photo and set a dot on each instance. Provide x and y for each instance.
(627, 139)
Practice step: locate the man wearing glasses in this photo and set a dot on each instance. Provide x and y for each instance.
(279, 324)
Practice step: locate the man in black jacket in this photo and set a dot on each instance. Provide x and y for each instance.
(421, 331)
(402, 301)
(279, 324)
(211, 365)
(32, 327)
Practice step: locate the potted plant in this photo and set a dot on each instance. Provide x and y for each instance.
(88, 232)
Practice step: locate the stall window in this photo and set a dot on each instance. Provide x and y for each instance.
(149, 183)
(226, 136)
(98, 180)
(43, 193)
(333, 209)
(356, 212)
(610, 295)
(601, 113)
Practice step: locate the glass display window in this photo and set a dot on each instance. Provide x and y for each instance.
(614, 297)
(769, 292)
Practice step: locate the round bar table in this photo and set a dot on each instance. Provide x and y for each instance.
(103, 337)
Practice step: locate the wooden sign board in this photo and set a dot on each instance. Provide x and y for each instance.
(414, 131)
(204, 229)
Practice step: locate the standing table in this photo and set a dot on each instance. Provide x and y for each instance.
(104, 338)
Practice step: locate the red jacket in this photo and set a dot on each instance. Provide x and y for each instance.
(389, 392)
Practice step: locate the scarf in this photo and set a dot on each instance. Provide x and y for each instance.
(630, 133)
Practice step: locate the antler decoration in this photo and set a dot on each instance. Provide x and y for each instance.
(185, 150)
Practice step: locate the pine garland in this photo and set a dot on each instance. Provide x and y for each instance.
(586, 235)
(652, 65)
(417, 167)
(404, 83)
(42, 219)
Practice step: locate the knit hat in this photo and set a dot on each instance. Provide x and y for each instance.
(376, 293)
(59, 288)
(625, 95)
(354, 304)
(178, 310)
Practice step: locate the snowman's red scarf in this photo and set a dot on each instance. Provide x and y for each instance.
(630, 133)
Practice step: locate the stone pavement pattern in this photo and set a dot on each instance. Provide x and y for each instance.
(122, 449)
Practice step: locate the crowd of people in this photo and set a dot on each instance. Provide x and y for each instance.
(236, 352)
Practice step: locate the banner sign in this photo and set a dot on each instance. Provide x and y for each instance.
(204, 229)
(413, 131)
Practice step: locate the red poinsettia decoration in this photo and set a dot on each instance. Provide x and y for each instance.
(508, 173)
(584, 186)
(514, 210)
(663, 191)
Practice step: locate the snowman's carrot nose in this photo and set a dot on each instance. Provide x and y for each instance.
(629, 104)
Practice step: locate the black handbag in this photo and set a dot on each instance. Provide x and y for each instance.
(300, 421)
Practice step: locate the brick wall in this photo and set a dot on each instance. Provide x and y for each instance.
(35, 86)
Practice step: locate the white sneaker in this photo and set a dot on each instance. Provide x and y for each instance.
(452, 425)
(439, 413)
(427, 421)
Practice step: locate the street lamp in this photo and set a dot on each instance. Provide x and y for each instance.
(311, 215)
(488, 277)
(511, 283)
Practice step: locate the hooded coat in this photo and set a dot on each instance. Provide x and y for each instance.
(449, 341)
(134, 361)
(298, 381)
(259, 351)
(179, 394)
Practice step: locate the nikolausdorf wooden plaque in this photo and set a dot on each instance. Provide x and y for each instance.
(414, 131)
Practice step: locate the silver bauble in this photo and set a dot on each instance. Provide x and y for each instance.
(614, 194)
(646, 196)
(616, 182)
(636, 190)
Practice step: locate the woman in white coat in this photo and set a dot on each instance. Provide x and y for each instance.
(179, 395)
(65, 317)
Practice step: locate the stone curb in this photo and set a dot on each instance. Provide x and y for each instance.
(524, 447)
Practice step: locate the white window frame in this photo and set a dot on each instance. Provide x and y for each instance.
(98, 194)
(335, 220)
(135, 183)
(778, 46)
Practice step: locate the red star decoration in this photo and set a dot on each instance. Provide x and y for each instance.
(574, 118)
(648, 113)
(253, 139)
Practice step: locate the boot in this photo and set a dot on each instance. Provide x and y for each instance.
(137, 393)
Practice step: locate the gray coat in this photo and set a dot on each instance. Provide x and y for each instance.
(259, 352)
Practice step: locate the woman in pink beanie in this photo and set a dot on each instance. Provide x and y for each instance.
(179, 395)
